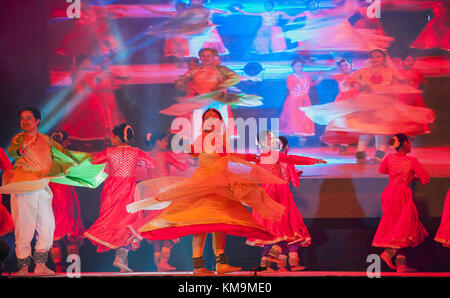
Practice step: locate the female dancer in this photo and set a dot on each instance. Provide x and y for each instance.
(92, 111)
(343, 139)
(399, 227)
(414, 78)
(164, 159)
(269, 38)
(112, 228)
(177, 45)
(290, 233)
(436, 34)
(293, 121)
(443, 233)
(376, 110)
(69, 228)
(330, 30)
(211, 200)
(211, 38)
(6, 222)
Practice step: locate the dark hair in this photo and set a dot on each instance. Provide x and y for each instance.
(79, 59)
(193, 59)
(119, 131)
(36, 113)
(401, 138)
(298, 61)
(159, 136)
(408, 55)
(215, 111)
(342, 61)
(283, 141)
(379, 51)
(60, 136)
(213, 51)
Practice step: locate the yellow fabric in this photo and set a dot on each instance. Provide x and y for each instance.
(213, 195)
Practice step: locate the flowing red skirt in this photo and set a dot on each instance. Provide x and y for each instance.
(6, 222)
(443, 233)
(66, 209)
(291, 227)
(399, 226)
(110, 230)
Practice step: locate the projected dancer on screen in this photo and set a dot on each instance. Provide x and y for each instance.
(207, 86)
(340, 138)
(91, 35)
(269, 38)
(92, 110)
(293, 121)
(210, 38)
(330, 30)
(376, 111)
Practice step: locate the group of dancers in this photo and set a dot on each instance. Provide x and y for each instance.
(377, 100)
(211, 200)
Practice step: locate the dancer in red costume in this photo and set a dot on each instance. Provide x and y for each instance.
(414, 78)
(330, 30)
(290, 232)
(342, 139)
(443, 233)
(376, 111)
(210, 201)
(6, 221)
(399, 227)
(114, 227)
(92, 110)
(69, 228)
(206, 88)
(164, 159)
(436, 34)
(269, 38)
(175, 46)
(293, 121)
(211, 38)
(90, 35)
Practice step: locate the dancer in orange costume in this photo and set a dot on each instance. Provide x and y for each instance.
(211, 200)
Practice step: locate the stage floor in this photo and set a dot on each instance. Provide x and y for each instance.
(240, 274)
(435, 160)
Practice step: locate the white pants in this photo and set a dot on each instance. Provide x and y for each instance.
(380, 142)
(32, 212)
